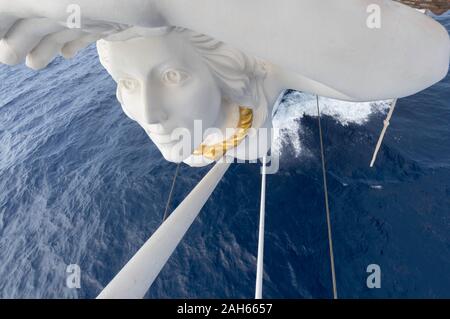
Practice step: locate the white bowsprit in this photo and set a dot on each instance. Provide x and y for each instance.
(136, 277)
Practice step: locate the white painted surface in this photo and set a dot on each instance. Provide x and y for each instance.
(325, 41)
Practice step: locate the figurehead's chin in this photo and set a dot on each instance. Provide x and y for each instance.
(171, 156)
(197, 161)
(191, 160)
(176, 153)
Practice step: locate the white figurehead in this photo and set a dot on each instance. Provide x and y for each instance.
(179, 79)
(228, 74)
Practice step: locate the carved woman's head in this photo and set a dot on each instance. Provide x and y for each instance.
(170, 81)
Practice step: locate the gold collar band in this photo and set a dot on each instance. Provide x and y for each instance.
(216, 151)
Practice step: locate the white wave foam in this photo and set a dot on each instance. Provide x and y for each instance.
(298, 104)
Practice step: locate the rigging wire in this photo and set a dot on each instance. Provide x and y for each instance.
(260, 260)
(327, 207)
(169, 199)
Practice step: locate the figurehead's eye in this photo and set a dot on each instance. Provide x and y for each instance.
(174, 77)
(129, 84)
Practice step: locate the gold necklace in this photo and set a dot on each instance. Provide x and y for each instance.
(216, 151)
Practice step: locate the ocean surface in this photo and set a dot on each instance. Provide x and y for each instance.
(82, 184)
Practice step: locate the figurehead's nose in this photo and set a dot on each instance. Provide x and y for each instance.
(151, 111)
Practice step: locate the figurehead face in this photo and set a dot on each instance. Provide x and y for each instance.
(178, 86)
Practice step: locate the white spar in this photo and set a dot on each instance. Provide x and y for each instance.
(138, 274)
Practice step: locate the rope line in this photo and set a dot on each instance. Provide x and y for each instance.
(327, 207)
(386, 123)
(166, 211)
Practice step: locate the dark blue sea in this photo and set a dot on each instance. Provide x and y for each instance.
(82, 184)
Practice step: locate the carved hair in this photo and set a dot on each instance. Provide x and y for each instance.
(237, 74)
